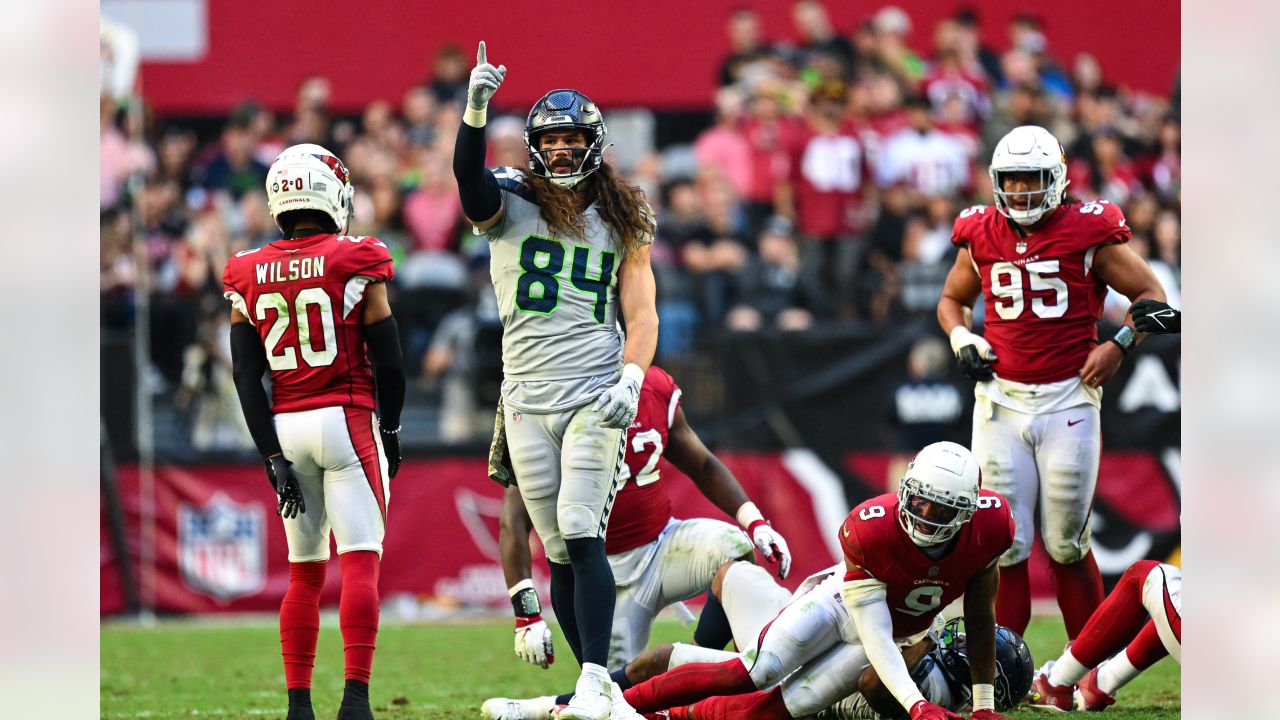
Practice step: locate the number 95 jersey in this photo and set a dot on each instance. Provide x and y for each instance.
(918, 585)
(305, 296)
(1042, 299)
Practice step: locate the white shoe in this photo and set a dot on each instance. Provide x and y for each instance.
(540, 708)
(592, 700)
(621, 709)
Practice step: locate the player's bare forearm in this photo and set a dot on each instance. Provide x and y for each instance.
(1128, 274)
(713, 478)
(514, 527)
(959, 292)
(637, 296)
(980, 624)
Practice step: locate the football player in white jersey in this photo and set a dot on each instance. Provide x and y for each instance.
(569, 248)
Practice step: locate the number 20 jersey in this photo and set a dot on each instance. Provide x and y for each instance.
(919, 586)
(305, 296)
(558, 300)
(1042, 299)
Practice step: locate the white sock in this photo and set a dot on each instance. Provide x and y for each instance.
(594, 678)
(1067, 671)
(1116, 672)
(683, 654)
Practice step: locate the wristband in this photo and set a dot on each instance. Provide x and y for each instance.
(635, 372)
(984, 696)
(959, 337)
(475, 117)
(1124, 338)
(524, 599)
(749, 515)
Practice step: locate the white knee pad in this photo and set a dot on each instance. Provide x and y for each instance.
(767, 669)
(556, 550)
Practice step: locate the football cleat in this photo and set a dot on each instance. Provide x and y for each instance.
(1045, 695)
(1091, 697)
(539, 708)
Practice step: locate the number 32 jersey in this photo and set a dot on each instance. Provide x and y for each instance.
(305, 297)
(643, 507)
(919, 586)
(1042, 299)
(558, 300)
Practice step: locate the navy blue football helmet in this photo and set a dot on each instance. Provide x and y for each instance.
(566, 109)
(1015, 668)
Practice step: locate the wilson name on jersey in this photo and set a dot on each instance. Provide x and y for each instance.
(305, 296)
(919, 586)
(1042, 298)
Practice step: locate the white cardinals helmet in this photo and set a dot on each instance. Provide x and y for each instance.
(1029, 148)
(309, 177)
(946, 476)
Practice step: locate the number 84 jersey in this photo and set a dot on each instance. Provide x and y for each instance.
(305, 298)
(919, 586)
(1042, 298)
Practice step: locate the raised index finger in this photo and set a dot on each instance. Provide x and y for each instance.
(481, 55)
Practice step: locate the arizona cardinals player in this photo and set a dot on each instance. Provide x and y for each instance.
(1144, 611)
(307, 307)
(1044, 266)
(906, 556)
(657, 560)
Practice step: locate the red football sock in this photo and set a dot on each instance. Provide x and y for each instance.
(358, 612)
(300, 622)
(1147, 648)
(688, 684)
(1116, 620)
(755, 706)
(1013, 600)
(1079, 587)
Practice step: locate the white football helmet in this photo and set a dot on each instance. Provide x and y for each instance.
(1029, 148)
(309, 177)
(946, 475)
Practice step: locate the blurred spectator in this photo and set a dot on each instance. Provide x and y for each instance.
(1086, 74)
(118, 271)
(233, 167)
(746, 46)
(506, 143)
(968, 43)
(819, 40)
(1026, 34)
(1166, 169)
(1024, 104)
(118, 155)
(927, 255)
(827, 191)
(461, 362)
(713, 251)
(1107, 174)
(892, 26)
(419, 107)
(449, 73)
(432, 211)
(207, 389)
(176, 153)
(928, 160)
(770, 291)
(724, 146)
(771, 136)
(950, 80)
(878, 277)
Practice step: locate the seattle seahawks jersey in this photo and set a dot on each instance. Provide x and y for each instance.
(558, 300)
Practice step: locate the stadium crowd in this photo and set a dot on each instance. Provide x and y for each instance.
(823, 191)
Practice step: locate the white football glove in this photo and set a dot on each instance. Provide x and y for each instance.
(619, 404)
(485, 80)
(973, 352)
(771, 545)
(533, 641)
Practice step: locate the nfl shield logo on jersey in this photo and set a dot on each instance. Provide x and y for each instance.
(222, 548)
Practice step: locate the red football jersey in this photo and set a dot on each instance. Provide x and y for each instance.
(643, 507)
(1042, 299)
(305, 297)
(919, 586)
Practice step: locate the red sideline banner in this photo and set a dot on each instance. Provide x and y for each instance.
(220, 548)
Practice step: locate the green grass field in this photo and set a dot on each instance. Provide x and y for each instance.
(201, 669)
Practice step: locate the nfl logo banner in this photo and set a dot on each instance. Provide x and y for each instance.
(222, 548)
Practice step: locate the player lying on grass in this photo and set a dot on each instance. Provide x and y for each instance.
(1144, 611)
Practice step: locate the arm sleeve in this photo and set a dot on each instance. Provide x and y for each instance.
(477, 187)
(866, 601)
(248, 362)
(383, 339)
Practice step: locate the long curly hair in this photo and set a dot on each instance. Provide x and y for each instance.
(621, 206)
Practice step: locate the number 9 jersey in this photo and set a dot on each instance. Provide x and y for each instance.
(304, 296)
(918, 586)
(1042, 299)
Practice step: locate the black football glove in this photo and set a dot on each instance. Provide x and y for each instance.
(972, 365)
(1155, 317)
(391, 446)
(285, 483)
